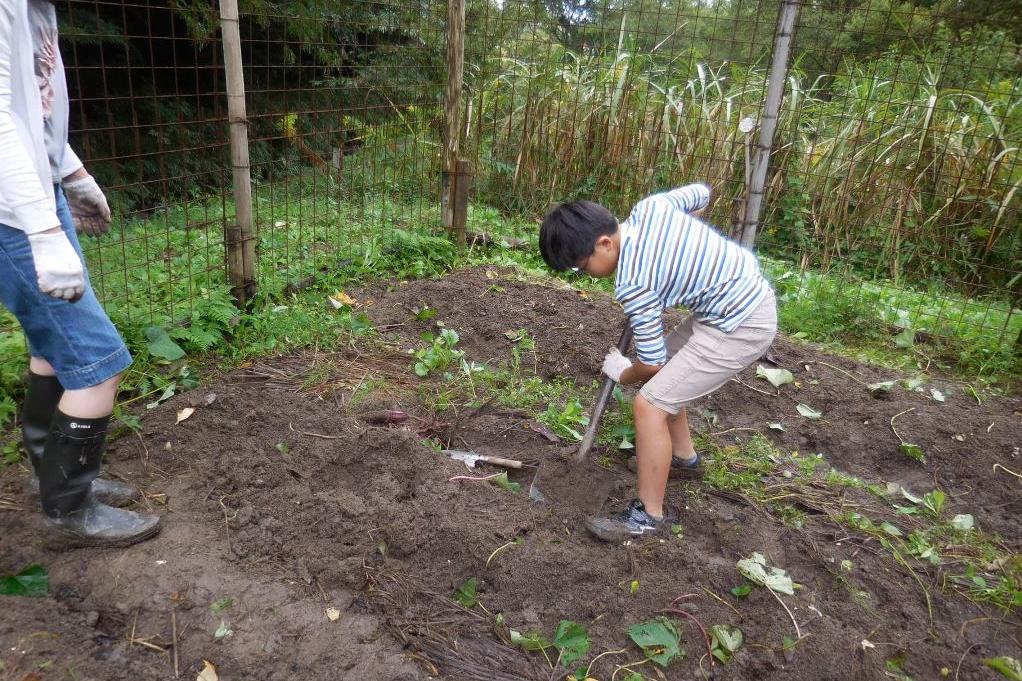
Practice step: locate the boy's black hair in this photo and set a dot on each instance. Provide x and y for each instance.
(569, 232)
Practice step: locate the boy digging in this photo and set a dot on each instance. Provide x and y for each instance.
(663, 257)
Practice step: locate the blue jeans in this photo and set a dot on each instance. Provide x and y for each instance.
(77, 339)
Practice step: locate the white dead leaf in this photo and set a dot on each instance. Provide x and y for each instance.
(776, 426)
(937, 395)
(279, 223)
(333, 614)
(210, 399)
(161, 562)
(777, 377)
(958, 437)
(867, 644)
(208, 672)
(808, 411)
(184, 414)
(757, 571)
(962, 521)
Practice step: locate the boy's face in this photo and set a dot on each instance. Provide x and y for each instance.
(602, 262)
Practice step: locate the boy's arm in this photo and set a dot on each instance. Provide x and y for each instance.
(644, 312)
(688, 199)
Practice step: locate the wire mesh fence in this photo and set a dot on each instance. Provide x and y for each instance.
(895, 166)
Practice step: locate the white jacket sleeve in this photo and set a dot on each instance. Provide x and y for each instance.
(70, 162)
(20, 186)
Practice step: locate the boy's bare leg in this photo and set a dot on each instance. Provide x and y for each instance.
(653, 452)
(681, 438)
(93, 402)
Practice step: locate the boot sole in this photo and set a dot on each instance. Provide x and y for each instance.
(69, 540)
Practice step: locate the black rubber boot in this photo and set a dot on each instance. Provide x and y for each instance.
(43, 393)
(69, 465)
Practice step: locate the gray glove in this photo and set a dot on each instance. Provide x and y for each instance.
(88, 206)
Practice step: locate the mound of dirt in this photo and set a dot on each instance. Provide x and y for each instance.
(284, 501)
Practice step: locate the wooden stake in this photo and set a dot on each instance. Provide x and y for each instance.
(239, 238)
(452, 109)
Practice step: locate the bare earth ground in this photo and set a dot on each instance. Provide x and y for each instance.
(278, 496)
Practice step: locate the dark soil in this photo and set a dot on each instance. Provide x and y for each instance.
(278, 496)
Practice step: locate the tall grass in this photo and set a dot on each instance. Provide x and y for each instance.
(880, 169)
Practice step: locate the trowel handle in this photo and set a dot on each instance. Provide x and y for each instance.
(601, 402)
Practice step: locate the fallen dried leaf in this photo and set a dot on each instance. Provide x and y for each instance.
(208, 672)
(333, 614)
(184, 414)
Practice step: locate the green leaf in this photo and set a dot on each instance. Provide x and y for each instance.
(777, 377)
(571, 641)
(659, 640)
(808, 411)
(161, 346)
(912, 451)
(758, 572)
(906, 339)
(466, 593)
(934, 501)
(962, 521)
(502, 482)
(1008, 667)
(725, 641)
(741, 591)
(891, 530)
(531, 641)
(221, 604)
(33, 581)
(223, 631)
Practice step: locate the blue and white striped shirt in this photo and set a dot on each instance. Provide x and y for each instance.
(670, 258)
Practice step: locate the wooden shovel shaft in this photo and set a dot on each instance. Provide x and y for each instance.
(601, 402)
(498, 461)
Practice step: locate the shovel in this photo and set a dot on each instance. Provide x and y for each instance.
(594, 421)
(470, 459)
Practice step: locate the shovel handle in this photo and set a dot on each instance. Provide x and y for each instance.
(601, 402)
(498, 461)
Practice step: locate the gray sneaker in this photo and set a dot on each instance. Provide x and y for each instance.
(631, 523)
(680, 468)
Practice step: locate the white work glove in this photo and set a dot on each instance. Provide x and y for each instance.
(614, 364)
(88, 206)
(58, 268)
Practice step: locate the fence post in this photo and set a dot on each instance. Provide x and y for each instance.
(775, 90)
(239, 239)
(452, 110)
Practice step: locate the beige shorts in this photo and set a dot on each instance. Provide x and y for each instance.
(703, 358)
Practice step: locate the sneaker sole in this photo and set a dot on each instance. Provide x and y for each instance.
(675, 472)
(610, 534)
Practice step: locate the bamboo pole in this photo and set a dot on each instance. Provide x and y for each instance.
(452, 110)
(775, 90)
(239, 239)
